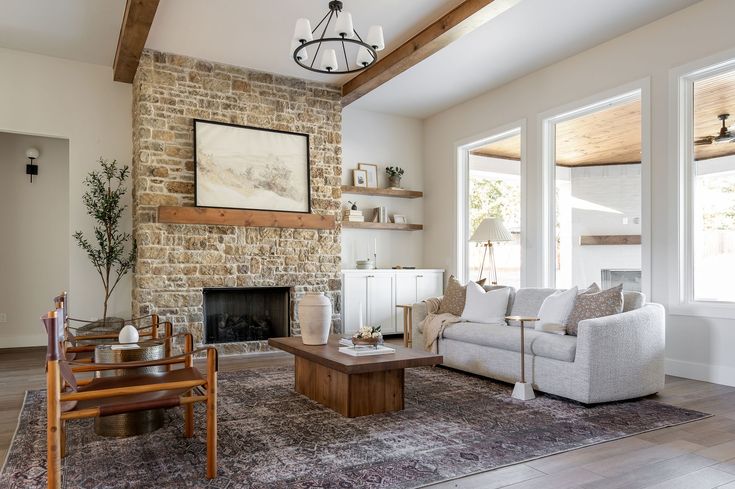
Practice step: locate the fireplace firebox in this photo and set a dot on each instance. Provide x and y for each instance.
(246, 314)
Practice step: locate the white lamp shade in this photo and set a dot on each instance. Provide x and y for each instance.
(343, 27)
(491, 229)
(364, 57)
(329, 60)
(303, 54)
(375, 37)
(302, 31)
(32, 153)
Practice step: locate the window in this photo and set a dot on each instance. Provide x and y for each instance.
(595, 196)
(492, 179)
(707, 213)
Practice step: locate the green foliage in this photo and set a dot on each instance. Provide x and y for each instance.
(717, 202)
(108, 250)
(394, 171)
(494, 198)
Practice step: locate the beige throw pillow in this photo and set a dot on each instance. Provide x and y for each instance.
(455, 296)
(595, 305)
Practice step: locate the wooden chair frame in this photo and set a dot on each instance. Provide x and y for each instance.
(62, 401)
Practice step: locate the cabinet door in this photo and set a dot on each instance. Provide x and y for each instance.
(405, 294)
(380, 302)
(429, 284)
(354, 299)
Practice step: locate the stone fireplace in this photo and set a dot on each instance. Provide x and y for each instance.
(177, 263)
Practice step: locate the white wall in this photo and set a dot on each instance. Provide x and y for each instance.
(385, 140)
(46, 96)
(696, 346)
(31, 215)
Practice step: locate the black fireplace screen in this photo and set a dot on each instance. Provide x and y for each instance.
(247, 314)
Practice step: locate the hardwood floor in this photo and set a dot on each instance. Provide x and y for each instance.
(698, 455)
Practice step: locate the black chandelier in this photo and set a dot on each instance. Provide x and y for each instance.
(334, 50)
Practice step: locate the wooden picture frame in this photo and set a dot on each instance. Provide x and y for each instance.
(359, 178)
(252, 168)
(372, 174)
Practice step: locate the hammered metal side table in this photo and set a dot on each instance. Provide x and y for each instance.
(137, 423)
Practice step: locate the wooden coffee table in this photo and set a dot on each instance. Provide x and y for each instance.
(352, 386)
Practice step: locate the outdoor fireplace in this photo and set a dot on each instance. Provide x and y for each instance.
(246, 314)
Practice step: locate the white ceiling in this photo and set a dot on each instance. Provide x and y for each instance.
(257, 33)
(82, 30)
(531, 35)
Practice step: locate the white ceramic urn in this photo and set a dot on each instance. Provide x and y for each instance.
(315, 317)
(128, 334)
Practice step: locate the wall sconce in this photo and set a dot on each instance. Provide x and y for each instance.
(32, 168)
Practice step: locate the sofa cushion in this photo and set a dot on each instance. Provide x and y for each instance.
(547, 345)
(555, 309)
(633, 300)
(527, 302)
(511, 294)
(591, 306)
(454, 297)
(485, 306)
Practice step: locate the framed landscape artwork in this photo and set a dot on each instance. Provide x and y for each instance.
(241, 167)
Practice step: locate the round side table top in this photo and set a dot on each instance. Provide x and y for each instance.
(522, 318)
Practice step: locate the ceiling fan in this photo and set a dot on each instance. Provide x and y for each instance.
(725, 135)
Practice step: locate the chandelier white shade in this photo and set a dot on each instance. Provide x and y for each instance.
(329, 60)
(343, 27)
(375, 37)
(345, 52)
(302, 32)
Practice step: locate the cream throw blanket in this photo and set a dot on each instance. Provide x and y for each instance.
(434, 324)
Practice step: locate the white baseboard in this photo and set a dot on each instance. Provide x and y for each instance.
(717, 374)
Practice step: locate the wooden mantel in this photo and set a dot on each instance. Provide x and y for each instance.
(245, 218)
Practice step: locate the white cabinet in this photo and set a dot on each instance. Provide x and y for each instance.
(377, 292)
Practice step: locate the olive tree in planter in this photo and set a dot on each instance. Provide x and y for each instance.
(108, 251)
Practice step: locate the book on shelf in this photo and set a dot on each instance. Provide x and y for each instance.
(356, 219)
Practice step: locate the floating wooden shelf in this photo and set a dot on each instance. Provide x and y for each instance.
(382, 192)
(619, 239)
(238, 217)
(382, 225)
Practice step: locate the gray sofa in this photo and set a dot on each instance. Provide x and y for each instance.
(612, 358)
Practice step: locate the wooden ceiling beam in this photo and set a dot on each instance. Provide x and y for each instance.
(136, 24)
(464, 19)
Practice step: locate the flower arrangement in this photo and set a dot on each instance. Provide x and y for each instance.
(367, 335)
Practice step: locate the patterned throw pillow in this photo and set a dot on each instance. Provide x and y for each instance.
(454, 297)
(595, 305)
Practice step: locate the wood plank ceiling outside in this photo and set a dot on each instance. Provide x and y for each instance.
(134, 30)
(712, 97)
(462, 20)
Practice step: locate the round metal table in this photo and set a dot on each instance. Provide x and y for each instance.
(140, 422)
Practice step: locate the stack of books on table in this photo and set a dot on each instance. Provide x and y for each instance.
(346, 347)
(353, 216)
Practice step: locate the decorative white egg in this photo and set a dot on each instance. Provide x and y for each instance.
(128, 334)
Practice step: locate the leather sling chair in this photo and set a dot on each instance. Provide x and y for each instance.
(79, 344)
(106, 396)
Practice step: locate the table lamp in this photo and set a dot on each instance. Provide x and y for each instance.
(491, 230)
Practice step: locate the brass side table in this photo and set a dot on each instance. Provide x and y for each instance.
(140, 422)
(523, 390)
(407, 324)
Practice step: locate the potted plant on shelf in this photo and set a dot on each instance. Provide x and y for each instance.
(394, 176)
(109, 253)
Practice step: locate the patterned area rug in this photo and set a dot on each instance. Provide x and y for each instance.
(270, 437)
